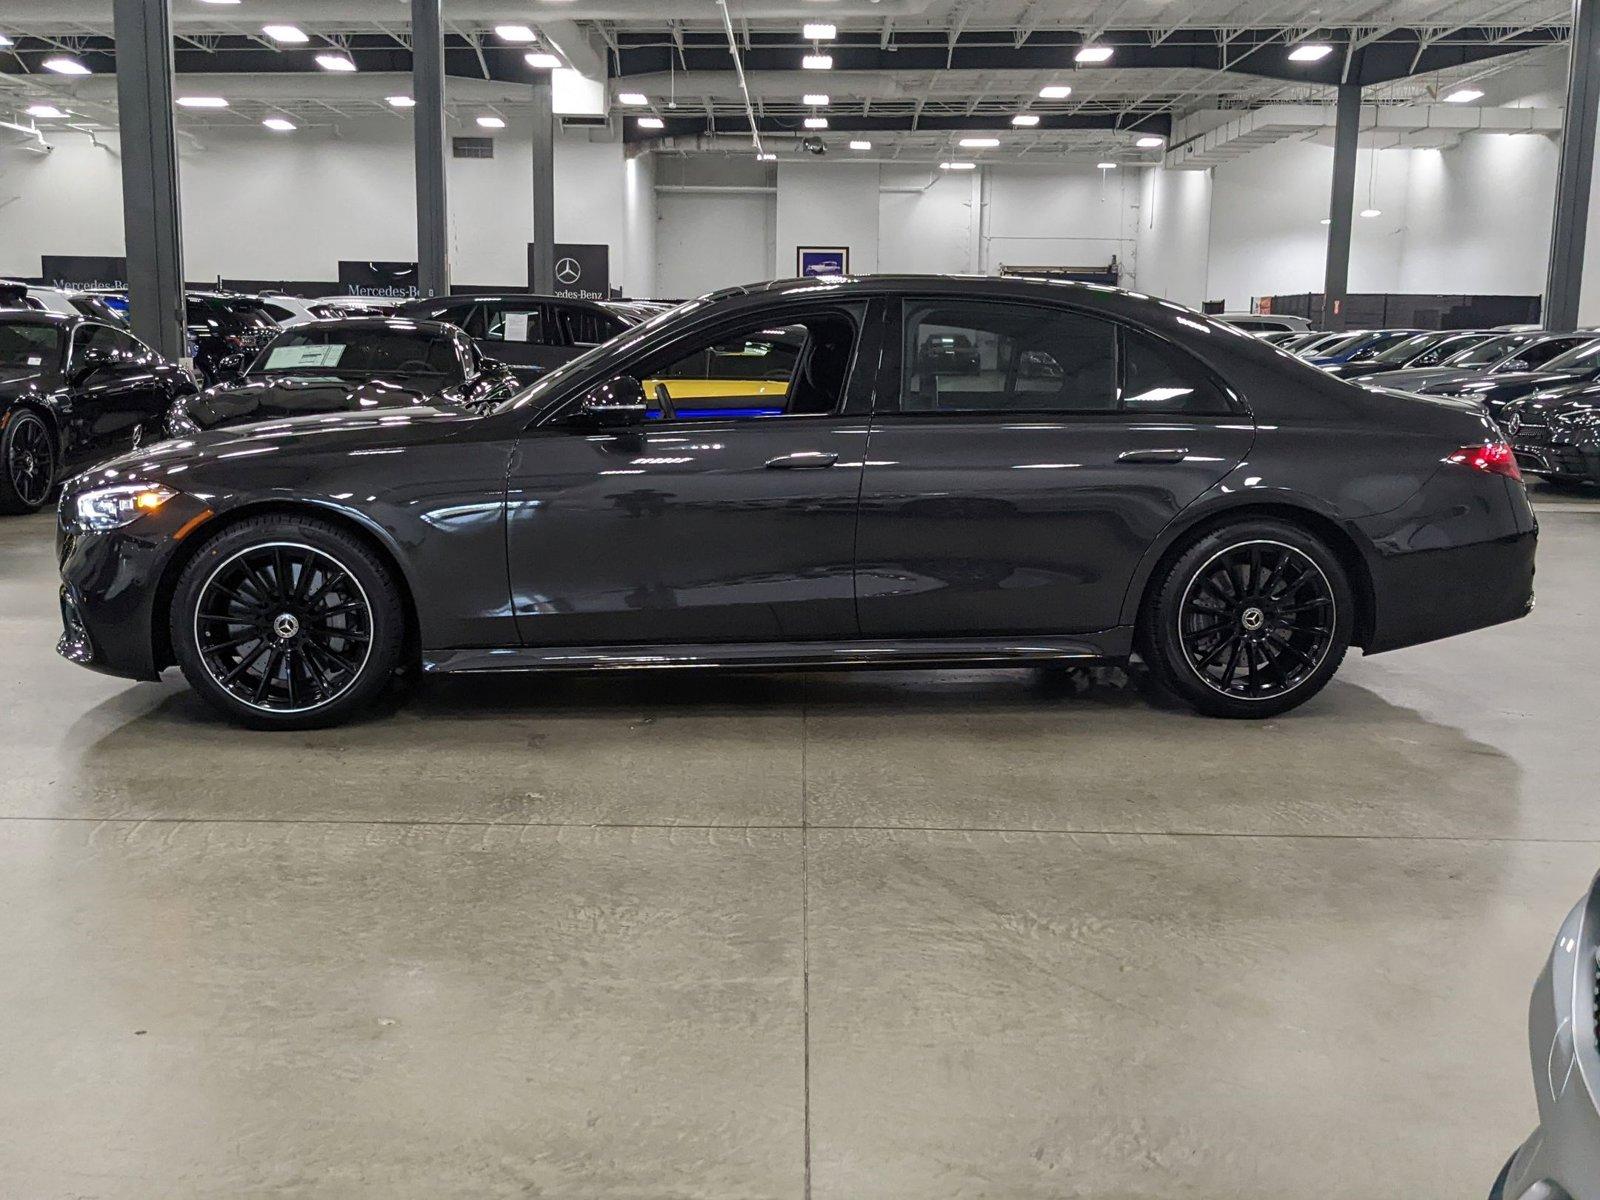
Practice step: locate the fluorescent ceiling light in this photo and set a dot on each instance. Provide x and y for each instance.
(978, 143)
(1327, 220)
(1150, 142)
(515, 33)
(219, 1)
(1025, 119)
(46, 112)
(281, 124)
(202, 102)
(492, 122)
(766, 156)
(816, 122)
(1459, 96)
(1310, 52)
(1372, 212)
(286, 33)
(401, 102)
(815, 99)
(819, 31)
(817, 62)
(958, 166)
(1093, 54)
(858, 145)
(1055, 91)
(633, 98)
(335, 62)
(542, 60)
(1106, 166)
(652, 123)
(63, 65)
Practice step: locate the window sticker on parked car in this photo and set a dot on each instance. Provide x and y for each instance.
(287, 357)
(517, 326)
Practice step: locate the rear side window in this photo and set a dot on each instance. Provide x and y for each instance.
(982, 357)
(582, 327)
(509, 323)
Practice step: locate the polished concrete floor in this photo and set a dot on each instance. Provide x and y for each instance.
(884, 935)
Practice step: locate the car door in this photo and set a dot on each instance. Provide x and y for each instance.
(726, 516)
(116, 392)
(1020, 496)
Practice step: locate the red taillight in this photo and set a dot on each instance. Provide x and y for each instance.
(1497, 458)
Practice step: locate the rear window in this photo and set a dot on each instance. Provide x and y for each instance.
(359, 352)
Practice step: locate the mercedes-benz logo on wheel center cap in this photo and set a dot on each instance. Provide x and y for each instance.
(568, 270)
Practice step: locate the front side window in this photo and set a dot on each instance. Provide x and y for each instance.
(798, 368)
(1558, 357)
(509, 323)
(1015, 358)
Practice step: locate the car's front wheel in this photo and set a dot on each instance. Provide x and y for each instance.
(27, 462)
(287, 622)
(1249, 620)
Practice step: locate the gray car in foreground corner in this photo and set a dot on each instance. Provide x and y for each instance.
(1561, 1159)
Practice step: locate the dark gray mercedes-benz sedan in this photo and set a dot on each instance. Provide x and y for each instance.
(794, 475)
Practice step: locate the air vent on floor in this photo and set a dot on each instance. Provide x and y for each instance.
(472, 147)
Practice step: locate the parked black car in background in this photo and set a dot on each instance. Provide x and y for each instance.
(1579, 365)
(1556, 434)
(530, 334)
(1416, 352)
(1507, 354)
(228, 330)
(354, 364)
(1173, 487)
(73, 391)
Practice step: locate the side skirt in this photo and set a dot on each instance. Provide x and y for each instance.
(887, 652)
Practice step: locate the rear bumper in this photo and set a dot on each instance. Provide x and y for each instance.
(1430, 594)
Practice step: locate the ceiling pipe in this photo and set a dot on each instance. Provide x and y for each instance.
(738, 68)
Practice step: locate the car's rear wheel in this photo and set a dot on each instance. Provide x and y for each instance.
(1251, 619)
(27, 463)
(287, 622)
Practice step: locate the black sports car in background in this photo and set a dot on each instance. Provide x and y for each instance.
(73, 391)
(1556, 434)
(353, 364)
(1580, 364)
(530, 334)
(227, 330)
(1170, 486)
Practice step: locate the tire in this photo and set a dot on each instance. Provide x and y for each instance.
(27, 463)
(287, 622)
(1291, 617)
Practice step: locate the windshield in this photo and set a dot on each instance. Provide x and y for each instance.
(1487, 352)
(546, 386)
(1379, 342)
(1586, 355)
(1406, 349)
(29, 347)
(1340, 345)
(387, 351)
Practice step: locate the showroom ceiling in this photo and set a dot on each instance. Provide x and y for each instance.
(912, 76)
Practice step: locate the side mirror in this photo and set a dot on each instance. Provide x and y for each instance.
(1516, 364)
(90, 363)
(618, 401)
(487, 364)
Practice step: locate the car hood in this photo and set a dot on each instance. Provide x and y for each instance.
(1412, 378)
(1515, 383)
(264, 398)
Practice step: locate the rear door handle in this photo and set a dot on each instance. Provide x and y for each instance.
(1171, 454)
(804, 458)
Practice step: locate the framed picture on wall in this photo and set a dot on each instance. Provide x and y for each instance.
(811, 261)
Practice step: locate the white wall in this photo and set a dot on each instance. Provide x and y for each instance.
(1174, 237)
(1058, 215)
(827, 204)
(926, 221)
(258, 205)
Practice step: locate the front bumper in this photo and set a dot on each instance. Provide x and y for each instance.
(1561, 1160)
(1559, 460)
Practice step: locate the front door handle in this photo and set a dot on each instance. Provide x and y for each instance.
(804, 458)
(1170, 454)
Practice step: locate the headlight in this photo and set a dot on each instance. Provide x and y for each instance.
(114, 507)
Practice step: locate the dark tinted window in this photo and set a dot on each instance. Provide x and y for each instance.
(1487, 352)
(509, 321)
(308, 350)
(1158, 378)
(1558, 354)
(585, 327)
(29, 347)
(980, 357)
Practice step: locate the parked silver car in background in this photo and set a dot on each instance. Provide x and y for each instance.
(1561, 1160)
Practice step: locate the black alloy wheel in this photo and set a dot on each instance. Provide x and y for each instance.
(287, 622)
(1256, 620)
(1249, 620)
(27, 454)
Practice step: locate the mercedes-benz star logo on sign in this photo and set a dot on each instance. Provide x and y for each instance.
(568, 271)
